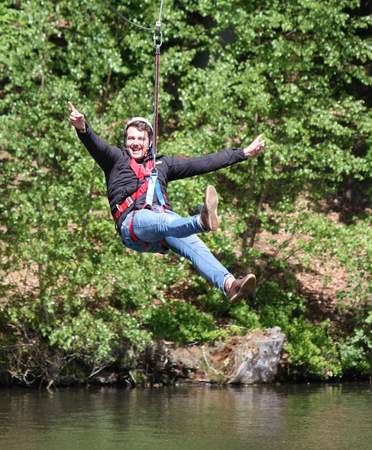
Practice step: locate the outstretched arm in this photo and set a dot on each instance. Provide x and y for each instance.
(104, 154)
(189, 167)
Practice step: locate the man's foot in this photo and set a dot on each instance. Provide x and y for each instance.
(241, 288)
(208, 214)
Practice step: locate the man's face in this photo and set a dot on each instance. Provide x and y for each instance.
(137, 143)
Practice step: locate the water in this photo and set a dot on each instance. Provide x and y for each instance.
(321, 417)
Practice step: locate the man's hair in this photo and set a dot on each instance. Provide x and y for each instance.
(141, 125)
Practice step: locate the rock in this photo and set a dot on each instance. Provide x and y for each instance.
(106, 378)
(253, 358)
(260, 357)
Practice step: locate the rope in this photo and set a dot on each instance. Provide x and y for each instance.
(158, 40)
(156, 104)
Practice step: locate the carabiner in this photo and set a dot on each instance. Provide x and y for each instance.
(158, 35)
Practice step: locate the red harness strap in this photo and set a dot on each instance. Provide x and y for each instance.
(132, 234)
(131, 230)
(141, 173)
(130, 200)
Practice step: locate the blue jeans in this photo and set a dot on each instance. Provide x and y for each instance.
(151, 227)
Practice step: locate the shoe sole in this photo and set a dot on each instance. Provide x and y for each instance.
(211, 204)
(246, 289)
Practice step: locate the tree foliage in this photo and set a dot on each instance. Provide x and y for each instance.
(295, 70)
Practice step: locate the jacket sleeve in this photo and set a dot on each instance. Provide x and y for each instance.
(103, 153)
(188, 167)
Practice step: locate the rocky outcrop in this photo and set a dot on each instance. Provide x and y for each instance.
(249, 359)
(253, 358)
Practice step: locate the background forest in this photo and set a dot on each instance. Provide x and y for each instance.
(72, 297)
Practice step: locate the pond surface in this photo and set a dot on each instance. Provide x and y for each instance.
(321, 417)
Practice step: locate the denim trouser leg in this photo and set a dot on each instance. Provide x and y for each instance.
(203, 260)
(153, 226)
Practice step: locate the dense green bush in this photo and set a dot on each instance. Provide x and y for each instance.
(294, 70)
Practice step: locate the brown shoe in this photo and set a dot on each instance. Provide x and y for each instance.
(242, 288)
(208, 214)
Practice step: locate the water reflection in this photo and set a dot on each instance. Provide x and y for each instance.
(273, 417)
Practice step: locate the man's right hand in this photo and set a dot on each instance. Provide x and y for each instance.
(76, 119)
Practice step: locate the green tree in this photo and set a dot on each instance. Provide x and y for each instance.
(296, 71)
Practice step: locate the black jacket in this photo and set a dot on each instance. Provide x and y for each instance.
(122, 182)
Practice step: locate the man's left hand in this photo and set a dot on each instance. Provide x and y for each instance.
(256, 147)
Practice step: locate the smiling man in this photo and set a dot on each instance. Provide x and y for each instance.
(137, 193)
(137, 139)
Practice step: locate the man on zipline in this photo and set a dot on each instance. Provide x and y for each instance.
(140, 207)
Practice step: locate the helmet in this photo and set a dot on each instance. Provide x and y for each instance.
(137, 119)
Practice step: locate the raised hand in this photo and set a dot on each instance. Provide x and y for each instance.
(256, 147)
(76, 118)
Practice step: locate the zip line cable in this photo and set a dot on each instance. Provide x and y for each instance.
(129, 21)
(125, 19)
(160, 11)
